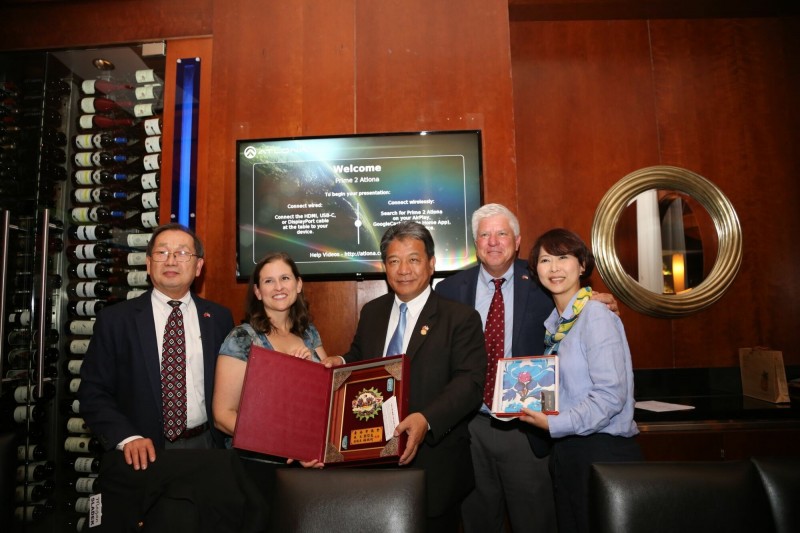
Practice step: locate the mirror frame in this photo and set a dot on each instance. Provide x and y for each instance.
(627, 289)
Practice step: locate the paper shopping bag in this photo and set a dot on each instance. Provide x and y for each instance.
(763, 374)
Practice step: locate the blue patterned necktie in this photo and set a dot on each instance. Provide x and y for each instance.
(396, 344)
(173, 374)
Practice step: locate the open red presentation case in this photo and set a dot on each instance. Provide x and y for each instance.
(299, 409)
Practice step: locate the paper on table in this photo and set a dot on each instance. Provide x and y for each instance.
(662, 407)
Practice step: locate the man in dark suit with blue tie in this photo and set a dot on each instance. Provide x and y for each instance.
(121, 377)
(444, 343)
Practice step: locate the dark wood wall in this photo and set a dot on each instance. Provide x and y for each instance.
(567, 107)
(596, 100)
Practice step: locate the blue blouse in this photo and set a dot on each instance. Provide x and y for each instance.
(237, 343)
(595, 375)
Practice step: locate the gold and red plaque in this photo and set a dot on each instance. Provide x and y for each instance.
(299, 409)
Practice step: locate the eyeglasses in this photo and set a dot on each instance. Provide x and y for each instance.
(181, 256)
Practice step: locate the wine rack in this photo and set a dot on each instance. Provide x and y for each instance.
(80, 163)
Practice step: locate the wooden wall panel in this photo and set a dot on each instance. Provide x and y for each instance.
(424, 66)
(596, 100)
(585, 117)
(726, 93)
(316, 67)
(86, 23)
(282, 69)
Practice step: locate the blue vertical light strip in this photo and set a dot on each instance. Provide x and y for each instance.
(184, 169)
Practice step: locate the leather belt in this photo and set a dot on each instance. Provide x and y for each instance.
(193, 432)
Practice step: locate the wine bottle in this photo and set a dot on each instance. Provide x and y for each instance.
(81, 327)
(97, 195)
(104, 87)
(25, 394)
(20, 318)
(99, 159)
(148, 110)
(146, 76)
(82, 215)
(85, 485)
(92, 289)
(145, 163)
(145, 220)
(90, 122)
(29, 413)
(150, 181)
(74, 385)
(85, 308)
(141, 201)
(150, 91)
(99, 250)
(135, 278)
(89, 141)
(71, 406)
(53, 136)
(85, 465)
(21, 357)
(31, 513)
(36, 471)
(150, 145)
(31, 452)
(91, 105)
(98, 177)
(79, 505)
(76, 424)
(90, 232)
(90, 270)
(77, 347)
(24, 337)
(85, 444)
(34, 492)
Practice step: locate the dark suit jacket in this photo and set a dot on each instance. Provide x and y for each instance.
(120, 390)
(532, 306)
(448, 367)
(198, 491)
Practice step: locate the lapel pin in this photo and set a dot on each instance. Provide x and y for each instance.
(206, 315)
(525, 276)
(424, 330)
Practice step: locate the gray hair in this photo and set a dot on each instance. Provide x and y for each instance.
(491, 210)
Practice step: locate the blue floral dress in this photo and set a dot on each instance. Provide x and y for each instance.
(237, 343)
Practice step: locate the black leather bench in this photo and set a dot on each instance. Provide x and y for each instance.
(760, 494)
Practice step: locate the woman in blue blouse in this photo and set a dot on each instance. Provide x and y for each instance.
(595, 419)
(278, 319)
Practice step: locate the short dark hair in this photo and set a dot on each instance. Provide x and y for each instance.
(407, 230)
(560, 241)
(198, 244)
(257, 317)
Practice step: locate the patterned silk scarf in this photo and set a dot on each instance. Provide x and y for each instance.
(552, 340)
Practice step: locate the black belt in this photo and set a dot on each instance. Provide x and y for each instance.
(193, 432)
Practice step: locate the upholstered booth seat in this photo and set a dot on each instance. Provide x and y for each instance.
(733, 496)
(355, 500)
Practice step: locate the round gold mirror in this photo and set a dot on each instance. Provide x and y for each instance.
(677, 235)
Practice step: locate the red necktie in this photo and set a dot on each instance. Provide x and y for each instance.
(495, 335)
(173, 374)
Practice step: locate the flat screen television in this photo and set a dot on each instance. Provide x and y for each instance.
(326, 201)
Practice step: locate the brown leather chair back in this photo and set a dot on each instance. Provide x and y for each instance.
(356, 500)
